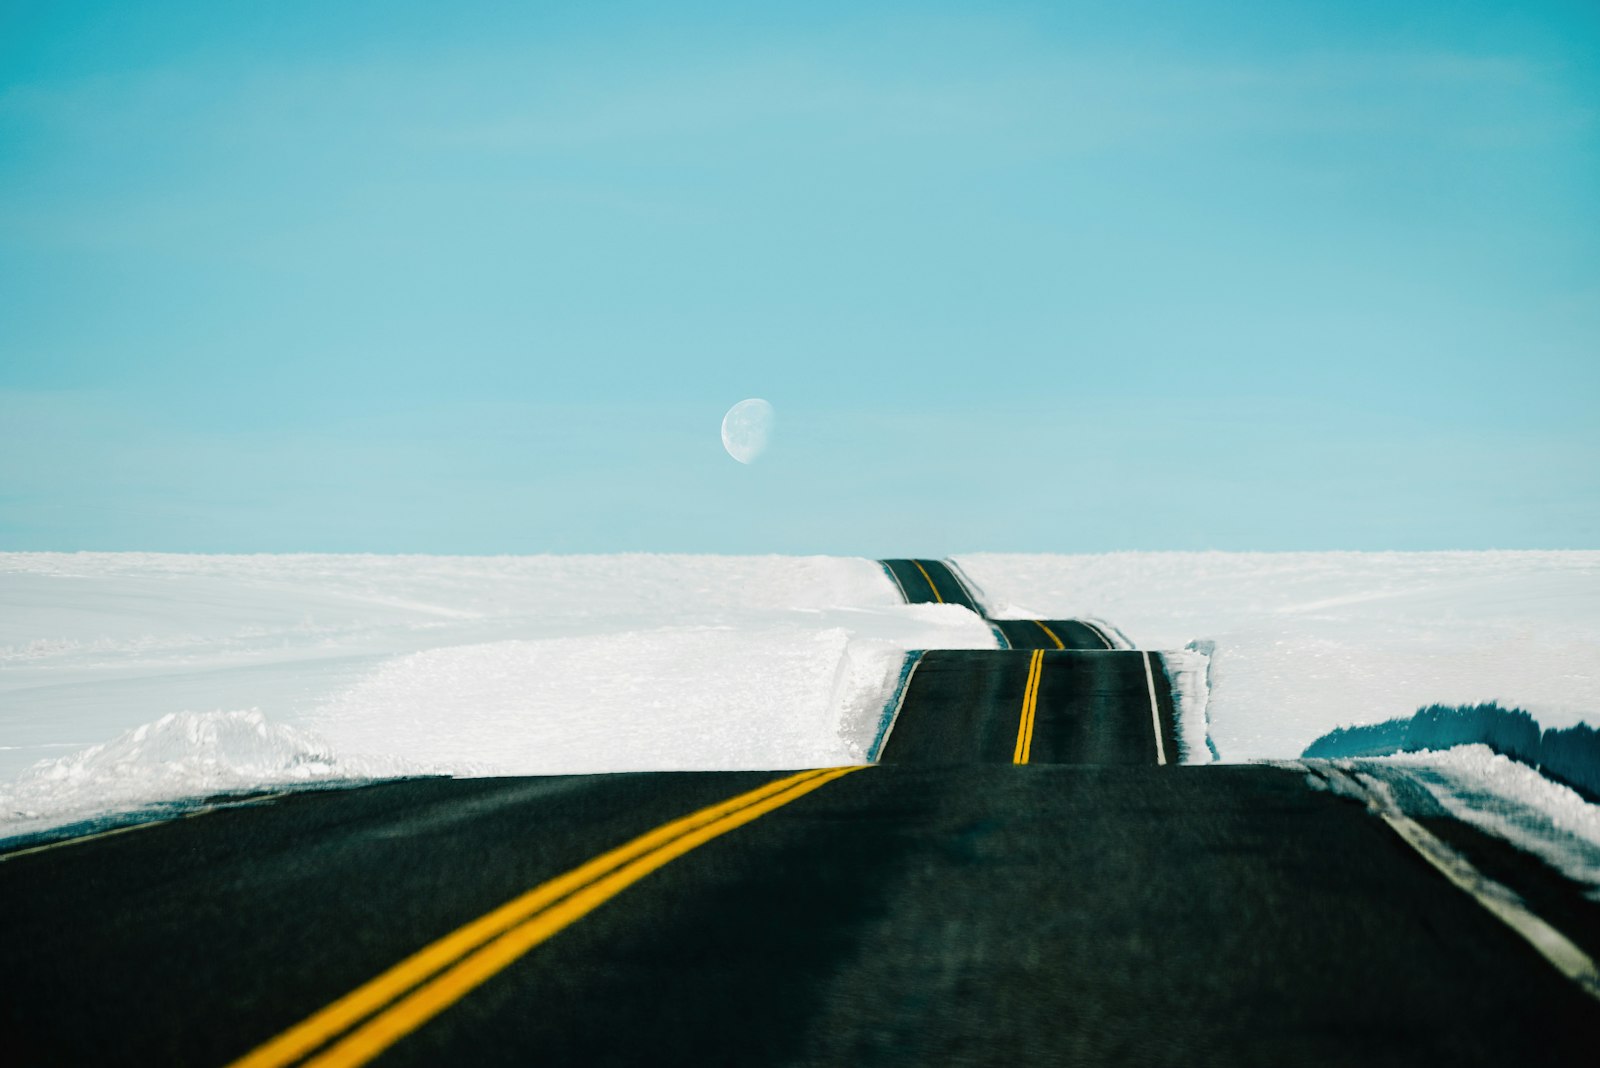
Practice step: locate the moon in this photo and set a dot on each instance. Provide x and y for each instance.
(746, 429)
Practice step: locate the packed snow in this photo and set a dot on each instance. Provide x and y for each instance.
(130, 678)
(180, 755)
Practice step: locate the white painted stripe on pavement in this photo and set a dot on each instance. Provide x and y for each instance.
(904, 596)
(1155, 709)
(900, 702)
(1499, 900)
(1098, 633)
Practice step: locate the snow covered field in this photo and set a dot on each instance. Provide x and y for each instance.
(128, 678)
(194, 674)
(1306, 642)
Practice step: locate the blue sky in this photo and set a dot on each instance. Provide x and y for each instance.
(1057, 277)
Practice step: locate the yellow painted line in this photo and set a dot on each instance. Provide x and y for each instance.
(929, 577)
(1030, 703)
(1033, 704)
(440, 974)
(1059, 643)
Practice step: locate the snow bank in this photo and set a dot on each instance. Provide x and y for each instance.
(1570, 755)
(1189, 670)
(1511, 800)
(1303, 643)
(388, 664)
(672, 699)
(180, 755)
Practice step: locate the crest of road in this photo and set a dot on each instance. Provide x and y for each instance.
(1059, 693)
(1028, 875)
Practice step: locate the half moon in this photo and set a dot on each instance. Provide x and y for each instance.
(747, 428)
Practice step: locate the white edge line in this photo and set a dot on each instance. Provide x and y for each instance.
(1098, 633)
(203, 810)
(1497, 899)
(904, 596)
(82, 838)
(900, 702)
(967, 586)
(1155, 709)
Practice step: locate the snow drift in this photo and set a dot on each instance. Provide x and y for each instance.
(365, 665)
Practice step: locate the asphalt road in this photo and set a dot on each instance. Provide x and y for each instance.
(1044, 707)
(899, 915)
(929, 582)
(1074, 701)
(1052, 634)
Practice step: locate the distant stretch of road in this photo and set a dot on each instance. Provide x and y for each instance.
(1073, 634)
(929, 582)
(1058, 694)
(935, 582)
(898, 915)
(1039, 707)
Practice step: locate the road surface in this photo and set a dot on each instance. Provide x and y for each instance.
(1041, 707)
(897, 915)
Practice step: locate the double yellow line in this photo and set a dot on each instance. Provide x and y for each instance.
(1030, 704)
(376, 1015)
